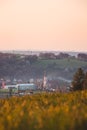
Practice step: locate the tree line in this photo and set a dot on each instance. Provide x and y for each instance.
(43, 55)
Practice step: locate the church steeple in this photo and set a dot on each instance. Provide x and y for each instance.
(44, 80)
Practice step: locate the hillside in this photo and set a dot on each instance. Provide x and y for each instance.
(26, 67)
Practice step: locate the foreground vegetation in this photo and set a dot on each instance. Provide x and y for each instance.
(51, 111)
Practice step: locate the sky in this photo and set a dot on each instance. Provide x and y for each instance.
(43, 25)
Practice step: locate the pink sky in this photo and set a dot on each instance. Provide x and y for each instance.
(43, 25)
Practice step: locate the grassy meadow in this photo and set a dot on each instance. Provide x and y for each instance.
(59, 67)
(62, 63)
(53, 111)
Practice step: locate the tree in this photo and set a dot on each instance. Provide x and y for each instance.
(78, 80)
(82, 56)
(85, 81)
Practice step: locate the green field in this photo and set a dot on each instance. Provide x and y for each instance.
(53, 111)
(62, 63)
(59, 67)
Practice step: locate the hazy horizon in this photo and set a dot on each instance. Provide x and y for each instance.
(49, 25)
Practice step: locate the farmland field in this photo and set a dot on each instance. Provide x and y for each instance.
(47, 111)
(59, 67)
(74, 63)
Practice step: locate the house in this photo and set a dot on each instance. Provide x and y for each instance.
(27, 87)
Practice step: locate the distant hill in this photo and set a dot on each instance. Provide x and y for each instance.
(24, 67)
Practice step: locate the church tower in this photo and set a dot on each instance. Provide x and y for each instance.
(44, 80)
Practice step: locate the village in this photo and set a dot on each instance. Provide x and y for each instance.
(19, 87)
